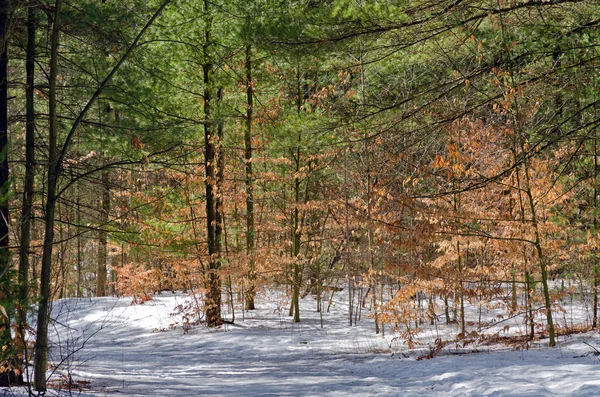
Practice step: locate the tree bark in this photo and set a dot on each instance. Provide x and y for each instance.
(27, 206)
(220, 181)
(296, 223)
(220, 241)
(41, 345)
(102, 237)
(213, 282)
(6, 275)
(78, 283)
(595, 274)
(250, 233)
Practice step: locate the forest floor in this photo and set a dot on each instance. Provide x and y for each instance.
(108, 347)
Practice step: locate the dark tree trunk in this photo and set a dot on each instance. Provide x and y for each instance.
(6, 274)
(79, 282)
(595, 274)
(26, 209)
(220, 182)
(213, 281)
(41, 345)
(250, 233)
(296, 223)
(218, 190)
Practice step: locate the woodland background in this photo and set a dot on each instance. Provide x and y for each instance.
(420, 154)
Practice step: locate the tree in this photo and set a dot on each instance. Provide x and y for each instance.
(211, 143)
(55, 164)
(250, 225)
(6, 274)
(28, 185)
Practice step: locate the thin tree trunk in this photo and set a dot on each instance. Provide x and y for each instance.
(595, 209)
(78, 285)
(541, 256)
(27, 206)
(370, 237)
(513, 302)
(459, 265)
(347, 242)
(250, 243)
(62, 277)
(526, 189)
(41, 345)
(295, 308)
(296, 223)
(6, 275)
(102, 237)
(527, 277)
(220, 173)
(220, 236)
(461, 290)
(595, 302)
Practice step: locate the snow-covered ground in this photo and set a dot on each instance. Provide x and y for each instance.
(109, 347)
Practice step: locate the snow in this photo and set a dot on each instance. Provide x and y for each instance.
(111, 347)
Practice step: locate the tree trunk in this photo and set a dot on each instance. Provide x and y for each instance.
(296, 223)
(595, 301)
(250, 248)
(102, 237)
(297, 235)
(370, 236)
(27, 206)
(513, 284)
(41, 345)
(527, 191)
(461, 290)
(213, 282)
(6, 274)
(596, 276)
(541, 258)
(524, 187)
(220, 237)
(79, 282)
(296, 276)
(347, 241)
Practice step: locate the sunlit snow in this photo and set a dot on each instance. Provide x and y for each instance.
(108, 347)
